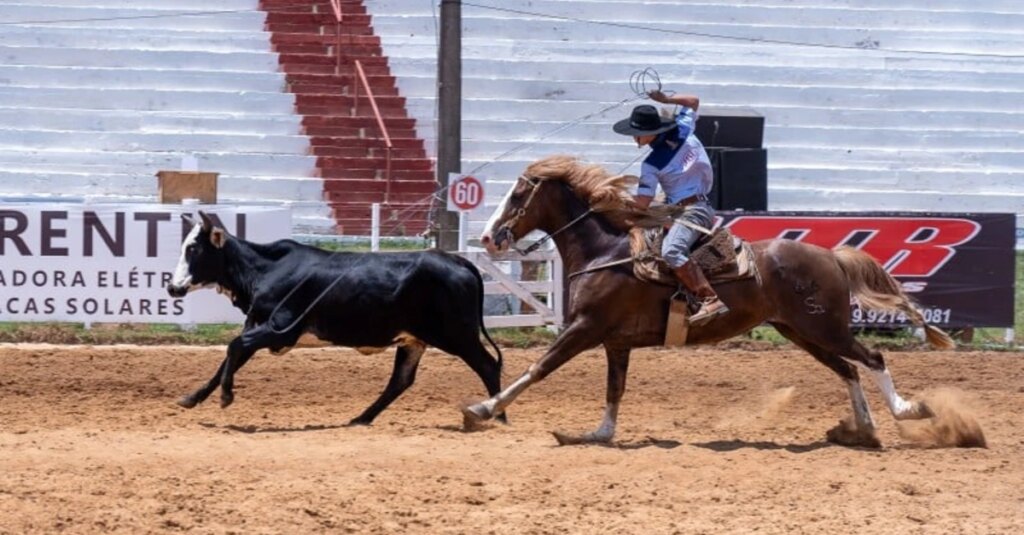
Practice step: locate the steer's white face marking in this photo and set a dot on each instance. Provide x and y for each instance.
(182, 278)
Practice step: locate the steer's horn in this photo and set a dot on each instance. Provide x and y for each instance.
(188, 219)
(207, 222)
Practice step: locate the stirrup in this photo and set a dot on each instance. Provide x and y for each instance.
(702, 315)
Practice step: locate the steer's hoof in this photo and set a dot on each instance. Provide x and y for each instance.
(188, 402)
(226, 401)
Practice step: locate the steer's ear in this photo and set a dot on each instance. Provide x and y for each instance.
(218, 237)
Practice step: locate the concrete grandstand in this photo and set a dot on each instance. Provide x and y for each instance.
(905, 105)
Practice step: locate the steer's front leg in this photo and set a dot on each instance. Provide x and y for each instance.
(191, 400)
(240, 350)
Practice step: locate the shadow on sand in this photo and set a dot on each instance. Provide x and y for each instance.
(733, 445)
(258, 429)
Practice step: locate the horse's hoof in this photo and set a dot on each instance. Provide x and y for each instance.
(474, 416)
(359, 422)
(566, 440)
(187, 402)
(847, 434)
(476, 412)
(574, 440)
(226, 401)
(922, 411)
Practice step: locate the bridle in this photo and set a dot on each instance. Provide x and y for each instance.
(521, 211)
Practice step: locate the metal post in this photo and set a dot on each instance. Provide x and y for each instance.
(463, 230)
(449, 131)
(375, 227)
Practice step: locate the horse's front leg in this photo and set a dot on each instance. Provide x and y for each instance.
(579, 336)
(618, 365)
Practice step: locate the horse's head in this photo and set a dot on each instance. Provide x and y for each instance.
(541, 200)
(520, 212)
(202, 257)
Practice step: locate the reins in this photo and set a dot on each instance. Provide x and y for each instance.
(507, 225)
(599, 267)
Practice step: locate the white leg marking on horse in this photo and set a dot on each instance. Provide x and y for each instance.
(861, 410)
(900, 407)
(181, 278)
(507, 396)
(607, 429)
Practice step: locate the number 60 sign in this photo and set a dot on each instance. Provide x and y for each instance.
(465, 192)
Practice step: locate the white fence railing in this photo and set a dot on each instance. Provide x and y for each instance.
(546, 312)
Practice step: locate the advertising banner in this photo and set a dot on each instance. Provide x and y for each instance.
(111, 262)
(960, 268)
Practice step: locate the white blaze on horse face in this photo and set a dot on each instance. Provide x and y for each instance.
(181, 278)
(498, 212)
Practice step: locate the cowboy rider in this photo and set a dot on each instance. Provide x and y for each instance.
(680, 165)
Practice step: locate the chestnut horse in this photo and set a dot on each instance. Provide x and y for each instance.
(803, 290)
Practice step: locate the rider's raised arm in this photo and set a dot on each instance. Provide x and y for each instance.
(680, 99)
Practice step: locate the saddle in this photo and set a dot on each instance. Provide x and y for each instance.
(722, 256)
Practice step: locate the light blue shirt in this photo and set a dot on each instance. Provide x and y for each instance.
(678, 162)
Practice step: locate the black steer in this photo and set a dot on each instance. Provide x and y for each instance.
(369, 301)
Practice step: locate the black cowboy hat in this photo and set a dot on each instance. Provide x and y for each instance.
(644, 121)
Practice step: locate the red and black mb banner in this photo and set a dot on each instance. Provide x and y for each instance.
(958, 267)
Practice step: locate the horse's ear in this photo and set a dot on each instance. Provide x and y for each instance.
(207, 222)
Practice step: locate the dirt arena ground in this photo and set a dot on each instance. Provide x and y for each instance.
(710, 441)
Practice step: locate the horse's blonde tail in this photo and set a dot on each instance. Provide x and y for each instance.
(875, 289)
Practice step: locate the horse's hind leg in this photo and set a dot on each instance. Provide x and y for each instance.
(872, 361)
(862, 432)
(618, 365)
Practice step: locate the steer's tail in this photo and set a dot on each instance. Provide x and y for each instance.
(480, 293)
(875, 289)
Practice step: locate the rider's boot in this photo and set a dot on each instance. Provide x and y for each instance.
(693, 279)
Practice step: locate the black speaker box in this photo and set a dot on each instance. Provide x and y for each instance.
(741, 178)
(735, 127)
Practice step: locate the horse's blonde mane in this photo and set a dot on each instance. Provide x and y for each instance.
(603, 191)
